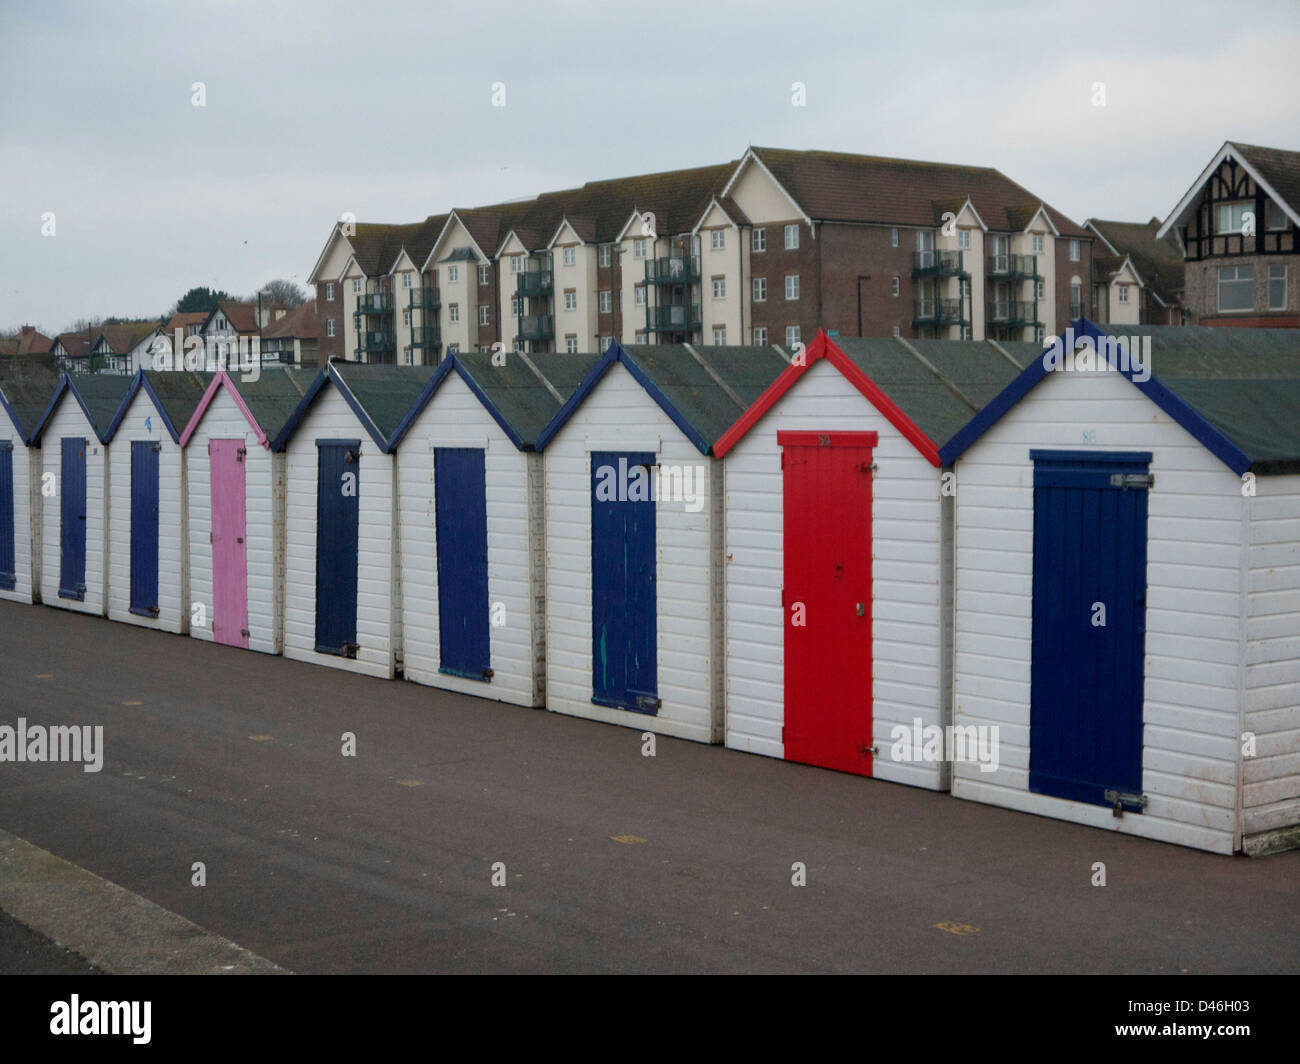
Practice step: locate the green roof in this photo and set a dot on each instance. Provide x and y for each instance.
(27, 384)
(179, 392)
(102, 394)
(518, 395)
(274, 395)
(385, 393)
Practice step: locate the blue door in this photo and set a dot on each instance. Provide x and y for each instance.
(623, 603)
(72, 520)
(8, 566)
(1089, 626)
(338, 515)
(460, 479)
(144, 527)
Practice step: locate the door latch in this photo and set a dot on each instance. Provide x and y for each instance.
(1119, 800)
(1132, 480)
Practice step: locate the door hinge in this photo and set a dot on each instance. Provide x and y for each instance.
(350, 649)
(1132, 480)
(245, 632)
(352, 456)
(488, 674)
(868, 751)
(157, 447)
(866, 467)
(239, 454)
(648, 702)
(1121, 800)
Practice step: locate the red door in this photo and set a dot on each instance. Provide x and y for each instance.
(827, 598)
(229, 551)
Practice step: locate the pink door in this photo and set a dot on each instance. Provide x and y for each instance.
(229, 551)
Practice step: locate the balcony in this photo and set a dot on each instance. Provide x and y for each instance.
(937, 312)
(673, 318)
(937, 264)
(1013, 313)
(1014, 267)
(426, 336)
(426, 298)
(535, 327)
(535, 283)
(376, 342)
(675, 270)
(374, 303)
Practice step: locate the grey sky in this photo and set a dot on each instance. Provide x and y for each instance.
(385, 110)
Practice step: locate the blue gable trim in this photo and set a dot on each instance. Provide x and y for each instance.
(1206, 434)
(138, 381)
(13, 416)
(616, 353)
(445, 368)
(291, 426)
(65, 385)
(371, 428)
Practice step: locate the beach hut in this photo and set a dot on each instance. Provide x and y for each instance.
(148, 570)
(472, 522)
(73, 437)
(837, 557)
(26, 387)
(1128, 585)
(236, 491)
(634, 535)
(341, 578)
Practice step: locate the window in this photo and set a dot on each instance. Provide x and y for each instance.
(1236, 288)
(791, 237)
(896, 332)
(569, 255)
(719, 288)
(406, 280)
(1038, 334)
(963, 238)
(329, 326)
(1039, 292)
(1038, 243)
(570, 299)
(1076, 299)
(406, 318)
(453, 274)
(638, 296)
(792, 286)
(1277, 288)
(1232, 216)
(329, 293)
(602, 255)
(758, 240)
(965, 332)
(718, 239)
(453, 349)
(605, 341)
(484, 275)
(606, 301)
(407, 352)
(514, 306)
(760, 336)
(639, 338)
(1123, 293)
(1074, 251)
(485, 315)
(719, 336)
(893, 286)
(760, 289)
(791, 335)
(571, 343)
(453, 312)
(516, 264)
(638, 248)
(356, 285)
(1274, 216)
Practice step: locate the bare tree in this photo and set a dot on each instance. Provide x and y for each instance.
(289, 294)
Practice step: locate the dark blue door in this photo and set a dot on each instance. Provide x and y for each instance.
(144, 527)
(338, 515)
(72, 520)
(1089, 625)
(623, 604)
(8, 566)
(460, 479)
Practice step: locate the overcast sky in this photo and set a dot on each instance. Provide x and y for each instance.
(386, 110)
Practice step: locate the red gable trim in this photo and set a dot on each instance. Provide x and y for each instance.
(222, 380)
(823, 347)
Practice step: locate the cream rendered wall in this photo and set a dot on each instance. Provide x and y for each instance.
(618, 415)
(27, 511)
(378, 623)
(347, 306)
(632, 317)
(972, 263)
(513, 250)
(404, 270)
(1124, 313)
(906, 575)
(725, 261)
(581, 276)
(69, 420)
(173, 592)
(762, 200)
(1194, 558)
(264, 523)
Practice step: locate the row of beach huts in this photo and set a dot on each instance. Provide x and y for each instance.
(1063, 582)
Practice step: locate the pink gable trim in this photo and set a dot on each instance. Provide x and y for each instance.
(222, 379)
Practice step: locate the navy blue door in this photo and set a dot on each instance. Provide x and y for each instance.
(72, 519)
(338, 516)
(8, 567)
(460, 479)
(1089, 625)
(624, 620)
(144, 528)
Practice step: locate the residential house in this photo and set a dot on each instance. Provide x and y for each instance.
(1137, 278)
(27, 341)
(294, 338)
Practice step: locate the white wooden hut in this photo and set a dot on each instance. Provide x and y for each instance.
(26, 388)
(634, 535)
(472, 522)
(837, 558)
(1128, 586)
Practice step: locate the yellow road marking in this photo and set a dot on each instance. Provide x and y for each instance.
(628, 840)
(956, 929)
(410, 783)
(133, 703)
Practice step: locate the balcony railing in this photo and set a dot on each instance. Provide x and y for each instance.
(535, 283)
(1014, 267)
(1013, 313)
(681, 318)
(376, 341)
(937, 312)
(426, 298)
(426, 336)
(374, 303)
(674, 270)
(536, 327)
(938, 263)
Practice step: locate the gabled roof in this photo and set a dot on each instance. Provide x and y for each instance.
(175, 394)
(184, 321)
(267, 402)
(520, 393)
(122, 339)
(27, 341)
(98, 394)
(1275, 170)
(242, 316)
(380, 397)
(74, 343)
(27, 386)
(927, 389)
(1236, 391)
(300, 323)
(702, 390)
(1159, 261)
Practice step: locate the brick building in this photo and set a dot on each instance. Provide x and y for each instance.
(1137, 278)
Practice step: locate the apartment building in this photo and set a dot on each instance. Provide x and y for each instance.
(762, 249)
(1137, 278)
(1238, 228)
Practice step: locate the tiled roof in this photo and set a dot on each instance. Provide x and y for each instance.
(184, 321)
(27, 341)
(1159, 262)
(300, 323)
(27, 384)
(123, 338)
(74, 343)
(1280, 168)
